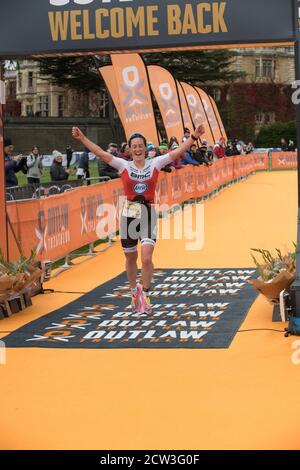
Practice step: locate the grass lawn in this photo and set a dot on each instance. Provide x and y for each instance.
(46, 174)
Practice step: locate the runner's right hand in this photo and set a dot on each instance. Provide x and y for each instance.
(77, 133)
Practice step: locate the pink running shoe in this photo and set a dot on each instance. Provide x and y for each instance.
(146, 304)
(136, 302)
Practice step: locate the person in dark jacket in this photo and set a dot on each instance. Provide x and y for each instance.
(201, 155)
(12, 164)
(83, 170)
(57, 171)
(69, 153)
(124, 152)
(104, 169)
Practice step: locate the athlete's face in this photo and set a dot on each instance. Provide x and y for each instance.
(138, 149)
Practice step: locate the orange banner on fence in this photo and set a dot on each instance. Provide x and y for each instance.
(134, 95)
(164, 89)
(282, 160)
(61, 224)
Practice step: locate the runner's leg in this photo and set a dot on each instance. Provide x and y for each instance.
(147, 264)
(131, 267)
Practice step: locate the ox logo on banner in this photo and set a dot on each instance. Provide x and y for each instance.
(135, 100)
(197, 114)
(89, 207)
(131, 83)
(165, 91)
(53, 228)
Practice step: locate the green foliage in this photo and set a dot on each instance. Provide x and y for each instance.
(197, 66)
(272, 265)
(270, 136)
(81, 73)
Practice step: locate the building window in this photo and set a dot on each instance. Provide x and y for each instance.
(61, 105)
(20, 80)
(12, 88)
(30, 79)
(29, 110)
(264, 68)
(269, 118)
(103, 104)
(43, 106)
(217, 94)
(264, 119)
(260, 118)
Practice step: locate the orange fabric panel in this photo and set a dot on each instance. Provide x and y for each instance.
(197, 111)
(211, 116)
(184, 108)
(108, 74)
(164, 88)
(135, 97)
(284, 160)
(261, 161)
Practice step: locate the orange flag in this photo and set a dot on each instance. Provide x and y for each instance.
(164, 88)
(135, 104)
(109, 77)
(184, 108)
(210, 113)
(197, 111)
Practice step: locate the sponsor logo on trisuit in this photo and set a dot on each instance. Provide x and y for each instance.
(140, 188)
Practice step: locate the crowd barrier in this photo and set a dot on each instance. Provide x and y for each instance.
(63, 223)
(283, 160)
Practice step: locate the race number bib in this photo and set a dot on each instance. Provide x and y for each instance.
(132, 210)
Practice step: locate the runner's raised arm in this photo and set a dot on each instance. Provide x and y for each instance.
(185, 146)
(98, 151)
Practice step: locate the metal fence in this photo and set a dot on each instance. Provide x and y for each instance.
(38, 191)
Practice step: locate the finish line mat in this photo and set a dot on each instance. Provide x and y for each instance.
(200, 308)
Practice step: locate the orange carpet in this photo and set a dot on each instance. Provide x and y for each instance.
(245, 397)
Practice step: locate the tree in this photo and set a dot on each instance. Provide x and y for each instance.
(82, 73)
(197, 66)
(270, 136)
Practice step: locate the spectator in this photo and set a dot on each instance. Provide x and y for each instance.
(229, 149)
(187, 134)
(104, 169)
(173, 140)
(152, 151)
(83, 170)
(249, 148)
(69, 153)
(201, 155)
(219, 149)
(57, 171)
(189, 156)
(35, 166)
(179, 163)
(292, 146)
(236, 148)
(210, 153)
(12, 164)
(284, 145)
(125, 152)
